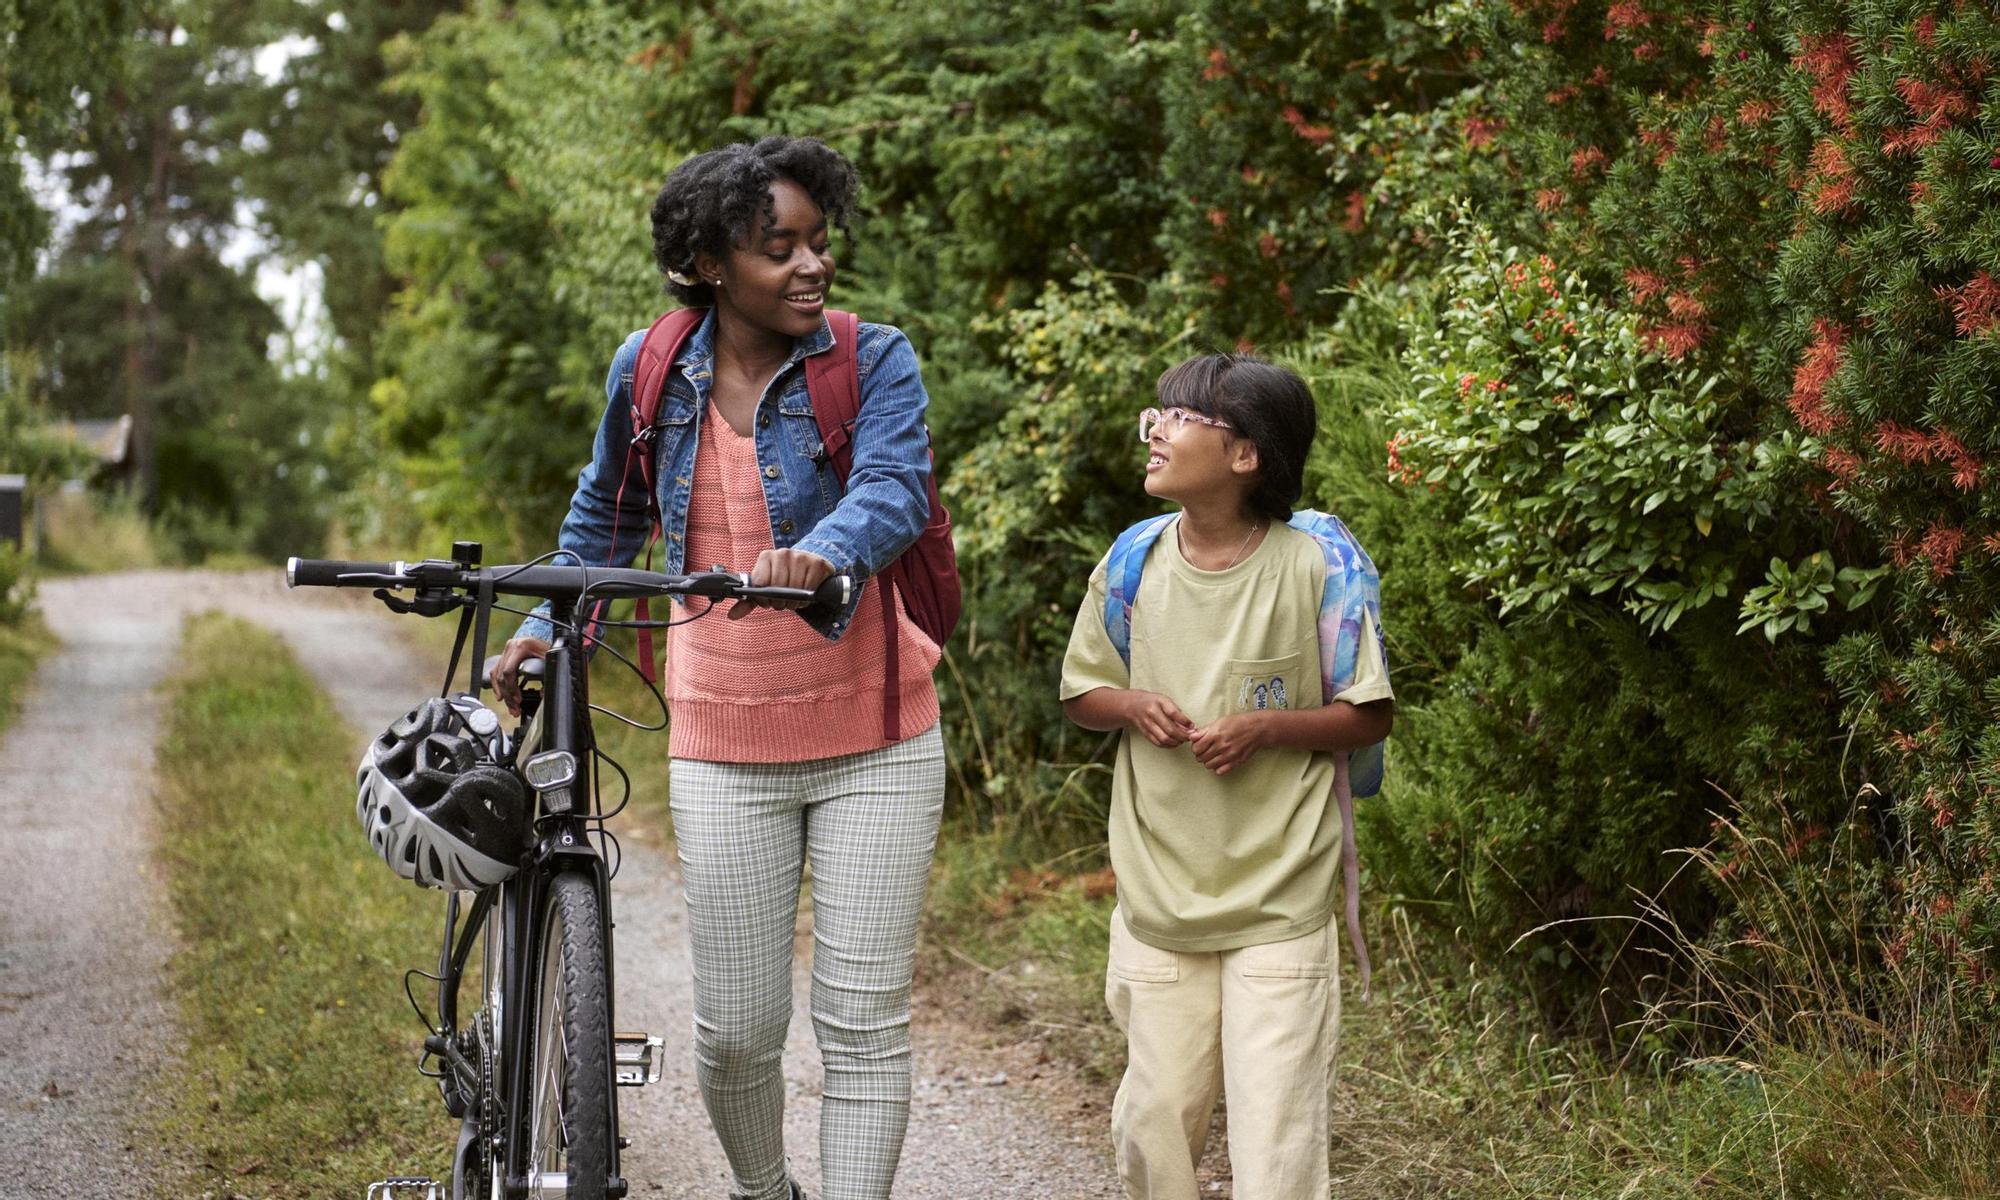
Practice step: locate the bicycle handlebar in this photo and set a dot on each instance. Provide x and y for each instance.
(555, 583)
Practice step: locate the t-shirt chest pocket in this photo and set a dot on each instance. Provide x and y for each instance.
(1262, 684)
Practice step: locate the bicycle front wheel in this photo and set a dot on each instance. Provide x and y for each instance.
(569, 1129)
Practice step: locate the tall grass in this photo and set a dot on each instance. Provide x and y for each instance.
(81, 533)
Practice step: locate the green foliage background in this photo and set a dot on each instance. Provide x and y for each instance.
(1655, 342)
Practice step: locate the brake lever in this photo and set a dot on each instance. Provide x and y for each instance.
(428, 602)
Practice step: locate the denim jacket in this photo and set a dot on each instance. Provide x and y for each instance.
(882, 511)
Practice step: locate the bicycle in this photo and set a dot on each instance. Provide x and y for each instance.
(532, 1074)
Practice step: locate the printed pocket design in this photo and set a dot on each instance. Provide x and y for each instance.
(1258, 685)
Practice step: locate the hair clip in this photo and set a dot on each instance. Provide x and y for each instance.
(686, 281)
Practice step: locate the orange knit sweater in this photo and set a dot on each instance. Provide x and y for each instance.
(767, 688)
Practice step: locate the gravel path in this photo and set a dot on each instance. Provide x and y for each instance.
(86, 1028)
(83, 934)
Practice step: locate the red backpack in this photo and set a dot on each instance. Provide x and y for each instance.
(925, 575)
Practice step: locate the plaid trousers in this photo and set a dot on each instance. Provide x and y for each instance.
(867, 823)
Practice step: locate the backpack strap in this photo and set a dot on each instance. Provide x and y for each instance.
(833, 385)
(657, 352)
(1352, 592)
(1123, 568)
(1350, 868)
(1351, 589)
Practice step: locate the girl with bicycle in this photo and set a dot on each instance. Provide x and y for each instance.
(782, 754)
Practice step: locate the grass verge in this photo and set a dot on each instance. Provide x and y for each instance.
(298, 1079)
(22, 645)
(1028, 945)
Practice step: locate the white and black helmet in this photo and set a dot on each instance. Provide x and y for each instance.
(436, 804)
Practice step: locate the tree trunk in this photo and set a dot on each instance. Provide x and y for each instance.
(142, 243)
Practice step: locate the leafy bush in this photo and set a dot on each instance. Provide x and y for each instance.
(1565, 722)
(1038, 501)
(481, 355)
(1795, 201)
(1718, 545)
(1890, 300)
(1585, 464)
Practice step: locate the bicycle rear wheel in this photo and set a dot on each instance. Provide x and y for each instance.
(569, 1118)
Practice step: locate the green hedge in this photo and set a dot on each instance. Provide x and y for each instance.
(1704, 551)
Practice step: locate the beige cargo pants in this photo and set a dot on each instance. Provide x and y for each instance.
(1261, 1023)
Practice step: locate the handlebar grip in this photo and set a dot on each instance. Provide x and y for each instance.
(834, 592)
(326, 572)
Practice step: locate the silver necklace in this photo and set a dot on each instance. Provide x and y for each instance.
(1234, 558)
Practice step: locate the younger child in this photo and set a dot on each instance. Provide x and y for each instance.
(1224, 828)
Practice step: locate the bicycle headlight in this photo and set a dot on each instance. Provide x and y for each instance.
(550, 769)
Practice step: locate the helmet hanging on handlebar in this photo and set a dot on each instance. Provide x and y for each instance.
(435, 802)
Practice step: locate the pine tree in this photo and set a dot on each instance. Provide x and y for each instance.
(138, 313)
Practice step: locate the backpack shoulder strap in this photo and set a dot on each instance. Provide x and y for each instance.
(1123, 568)
(657, 352)
(833, 383)
(1352, 588)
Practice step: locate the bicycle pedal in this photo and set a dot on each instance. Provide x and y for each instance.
(408, 1187)
(639, 1058)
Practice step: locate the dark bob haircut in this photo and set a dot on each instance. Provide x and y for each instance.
(1263, 402)
(709, 202)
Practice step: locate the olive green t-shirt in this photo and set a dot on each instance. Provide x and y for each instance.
(1207, 862)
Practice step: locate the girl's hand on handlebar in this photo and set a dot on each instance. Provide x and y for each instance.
(786, 569)
(506, 672)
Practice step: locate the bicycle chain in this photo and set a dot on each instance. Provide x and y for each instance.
(486, 1119)
(489, 1097)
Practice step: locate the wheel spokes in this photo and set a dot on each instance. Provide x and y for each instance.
(548, 1151)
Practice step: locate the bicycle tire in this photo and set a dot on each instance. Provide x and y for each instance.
(569, 1115)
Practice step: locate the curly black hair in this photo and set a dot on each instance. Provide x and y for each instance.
(1262, 401)
(709, 201)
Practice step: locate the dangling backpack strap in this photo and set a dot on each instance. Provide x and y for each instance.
(657, 352)
(1350, 590)
(1350, 869)
(833, 385)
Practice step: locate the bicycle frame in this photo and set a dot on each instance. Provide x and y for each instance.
(518, 905)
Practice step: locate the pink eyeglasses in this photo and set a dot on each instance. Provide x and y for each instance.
(1172, 421)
